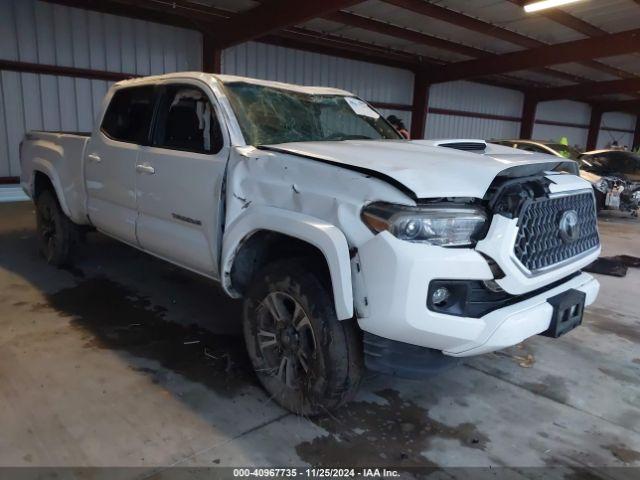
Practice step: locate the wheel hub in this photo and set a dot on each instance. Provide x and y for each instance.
(286, 339)
(289, 339)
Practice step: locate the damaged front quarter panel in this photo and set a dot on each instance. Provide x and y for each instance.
(302, 198)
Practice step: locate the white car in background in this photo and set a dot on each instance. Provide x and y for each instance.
(349, 245)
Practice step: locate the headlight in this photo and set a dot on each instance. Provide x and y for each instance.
(437, 225)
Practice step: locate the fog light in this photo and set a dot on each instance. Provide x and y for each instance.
(440, 296)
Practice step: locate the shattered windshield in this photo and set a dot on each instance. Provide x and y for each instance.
(269, 115)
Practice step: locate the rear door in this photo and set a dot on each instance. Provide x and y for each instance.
(111, 158)
(179, 179)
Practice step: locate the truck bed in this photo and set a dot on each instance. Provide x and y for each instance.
(60, 156)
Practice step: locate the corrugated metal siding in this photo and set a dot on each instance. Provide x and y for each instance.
(563, 111)
(575, 136)
(619, 120)
(452, 126)
(40, 32)
(375, 83)
(476, 98)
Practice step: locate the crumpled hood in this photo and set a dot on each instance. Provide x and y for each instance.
(426, 171)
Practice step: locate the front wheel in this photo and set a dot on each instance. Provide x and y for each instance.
(56, 232)
(308, 361)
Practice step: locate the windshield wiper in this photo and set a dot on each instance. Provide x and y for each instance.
(339, 137)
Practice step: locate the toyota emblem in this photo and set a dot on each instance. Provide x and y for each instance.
(569, 227)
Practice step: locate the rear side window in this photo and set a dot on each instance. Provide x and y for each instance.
(128, 116)
(187, 121)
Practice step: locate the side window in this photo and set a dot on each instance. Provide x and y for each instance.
(530, 148)
(187, 121)
(615, 162)
(128, 115)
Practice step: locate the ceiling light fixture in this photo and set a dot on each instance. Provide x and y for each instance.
(544, 4)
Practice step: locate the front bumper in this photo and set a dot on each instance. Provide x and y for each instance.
(392, 279)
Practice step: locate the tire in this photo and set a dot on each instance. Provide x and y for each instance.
(57, 234)
(308, 361)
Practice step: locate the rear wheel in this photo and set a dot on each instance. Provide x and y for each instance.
(56, 232)
(307, 360)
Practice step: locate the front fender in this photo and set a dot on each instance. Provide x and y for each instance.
(324, 236)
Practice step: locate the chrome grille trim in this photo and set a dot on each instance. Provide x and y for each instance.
(538, 246)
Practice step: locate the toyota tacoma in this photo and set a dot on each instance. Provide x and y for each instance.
(350, 246)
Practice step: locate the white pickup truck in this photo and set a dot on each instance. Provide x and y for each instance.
(350, 246)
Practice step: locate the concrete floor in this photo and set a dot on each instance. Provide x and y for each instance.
(128, 361)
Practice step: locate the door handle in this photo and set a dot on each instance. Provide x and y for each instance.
(94, 157)
(145, 168)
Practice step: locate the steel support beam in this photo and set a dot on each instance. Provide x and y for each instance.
(629, 106)
(211, 56)
(58, 70)
(9, 180)
(420, 105)
(574, 23)
(574, 51)
(528, 117)
(473, 24)
(589, 89)
(271, 16)
(384, 28)
(594, 128)
(140, 10)
(465, 21)
(345, 48)
(566, 19)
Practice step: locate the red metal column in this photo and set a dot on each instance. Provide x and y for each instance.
(636, 135)
(594, 128)
(211, 56)
(528, 117)
(420, 105)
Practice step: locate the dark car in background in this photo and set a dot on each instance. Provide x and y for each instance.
(619, 173)
(614, 174)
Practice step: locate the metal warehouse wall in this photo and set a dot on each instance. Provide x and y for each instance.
(566, 111)
(504, 105)
(374, 83)
(39, 32)
(624, 121)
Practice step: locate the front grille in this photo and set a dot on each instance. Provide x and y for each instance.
(539, 244)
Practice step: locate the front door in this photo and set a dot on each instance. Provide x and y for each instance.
(179, 180)
(111, 158)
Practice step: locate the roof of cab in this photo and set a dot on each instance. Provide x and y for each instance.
(233, 79)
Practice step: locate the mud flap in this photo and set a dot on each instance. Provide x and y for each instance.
(404, 360)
